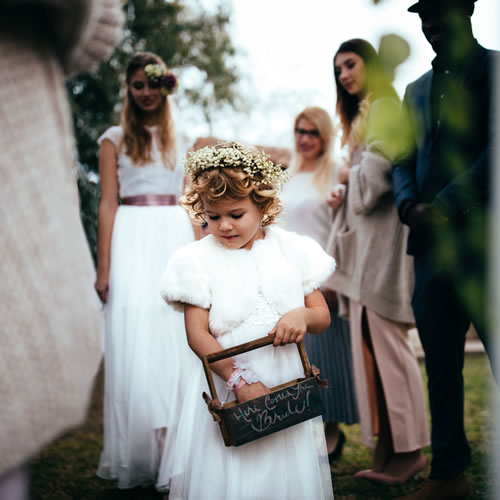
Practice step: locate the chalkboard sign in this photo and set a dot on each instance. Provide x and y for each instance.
(287, 404)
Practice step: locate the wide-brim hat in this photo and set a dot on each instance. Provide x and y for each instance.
(429, 4)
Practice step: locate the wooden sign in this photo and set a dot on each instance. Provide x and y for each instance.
(288, 404)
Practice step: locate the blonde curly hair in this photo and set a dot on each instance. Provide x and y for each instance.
(213, 184)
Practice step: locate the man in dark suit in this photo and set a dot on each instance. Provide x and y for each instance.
(441, 188)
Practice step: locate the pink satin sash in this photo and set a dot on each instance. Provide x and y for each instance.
(147, 200)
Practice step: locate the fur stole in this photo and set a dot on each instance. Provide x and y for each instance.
(283, 266)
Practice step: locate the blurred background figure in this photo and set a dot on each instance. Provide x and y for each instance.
(374, 276)
(306, 212)
(442, 188)
(145, 340)
(51, 322)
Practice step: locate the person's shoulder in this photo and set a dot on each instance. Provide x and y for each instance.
(385, 106)
(421, 80)
(193, 256)
(492, 56)
(113, 134)
(199, 247)
(281, 234)
(306, 257)
(290, 241)
(186, 278)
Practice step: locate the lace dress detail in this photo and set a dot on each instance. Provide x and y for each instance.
(263, 314)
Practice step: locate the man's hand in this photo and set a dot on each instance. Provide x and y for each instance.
(424, 216)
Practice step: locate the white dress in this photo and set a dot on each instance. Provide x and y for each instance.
(145, 340)
(305, 211)
(289, 465)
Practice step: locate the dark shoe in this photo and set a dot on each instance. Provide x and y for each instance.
(441, 489)
(337, 452)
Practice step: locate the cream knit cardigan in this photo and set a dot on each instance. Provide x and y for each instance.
(283, 266)
(367, 240)
(50, 318)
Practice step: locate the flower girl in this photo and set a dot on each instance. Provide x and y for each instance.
(243, 281)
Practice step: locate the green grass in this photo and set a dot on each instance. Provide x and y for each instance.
(66, 469)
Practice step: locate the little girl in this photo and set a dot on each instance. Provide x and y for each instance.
(245, 280)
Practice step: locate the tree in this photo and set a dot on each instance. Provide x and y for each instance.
(188, 39)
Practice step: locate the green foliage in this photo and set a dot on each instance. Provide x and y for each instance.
(89, 204)
(193, 42)
(184, 38)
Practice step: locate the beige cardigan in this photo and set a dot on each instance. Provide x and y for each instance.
(367, 240)
(50, 314)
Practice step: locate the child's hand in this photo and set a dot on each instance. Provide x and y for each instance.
(251, 391)
(292, 327)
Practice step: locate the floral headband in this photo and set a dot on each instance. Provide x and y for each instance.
(255, 163)
(159, 76)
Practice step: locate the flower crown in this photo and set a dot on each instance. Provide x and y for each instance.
(159, 76)
(257, 164)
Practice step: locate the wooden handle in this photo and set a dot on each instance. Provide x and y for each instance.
(240, 349)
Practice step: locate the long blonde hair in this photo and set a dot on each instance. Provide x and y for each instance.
(323, 173)
(136, 138)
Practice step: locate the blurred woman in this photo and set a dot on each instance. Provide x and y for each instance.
(307, 212)
(145, 340)
(374, 276)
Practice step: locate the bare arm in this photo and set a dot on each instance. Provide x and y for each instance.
(314, 317)
(106, 217)
(202, 343)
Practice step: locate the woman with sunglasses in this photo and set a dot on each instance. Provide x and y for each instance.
(374, 276)
(306, 212)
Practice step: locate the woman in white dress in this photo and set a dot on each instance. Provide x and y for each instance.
(306, 211)
(145, 341)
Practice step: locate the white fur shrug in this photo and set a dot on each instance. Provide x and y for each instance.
(283, 266)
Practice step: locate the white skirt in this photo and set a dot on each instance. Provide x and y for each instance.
(145, 346)
(291, 464)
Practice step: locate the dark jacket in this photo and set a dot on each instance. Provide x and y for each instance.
(448, 160)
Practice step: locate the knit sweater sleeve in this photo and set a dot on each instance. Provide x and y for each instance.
(369, 180)
(82, 32)
(100, 33)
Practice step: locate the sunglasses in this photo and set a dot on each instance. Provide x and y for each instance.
(303, 131)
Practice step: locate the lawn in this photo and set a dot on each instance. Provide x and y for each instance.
(66, 469)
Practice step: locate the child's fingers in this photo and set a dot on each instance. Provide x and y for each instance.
(280, 335)
(286, 338)
(300, 337)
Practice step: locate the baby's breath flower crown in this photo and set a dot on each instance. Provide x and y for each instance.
(159, 76)
(257, 164)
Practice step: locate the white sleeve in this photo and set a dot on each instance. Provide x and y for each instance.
(114, 134)
(185, 280)
(314, 264)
